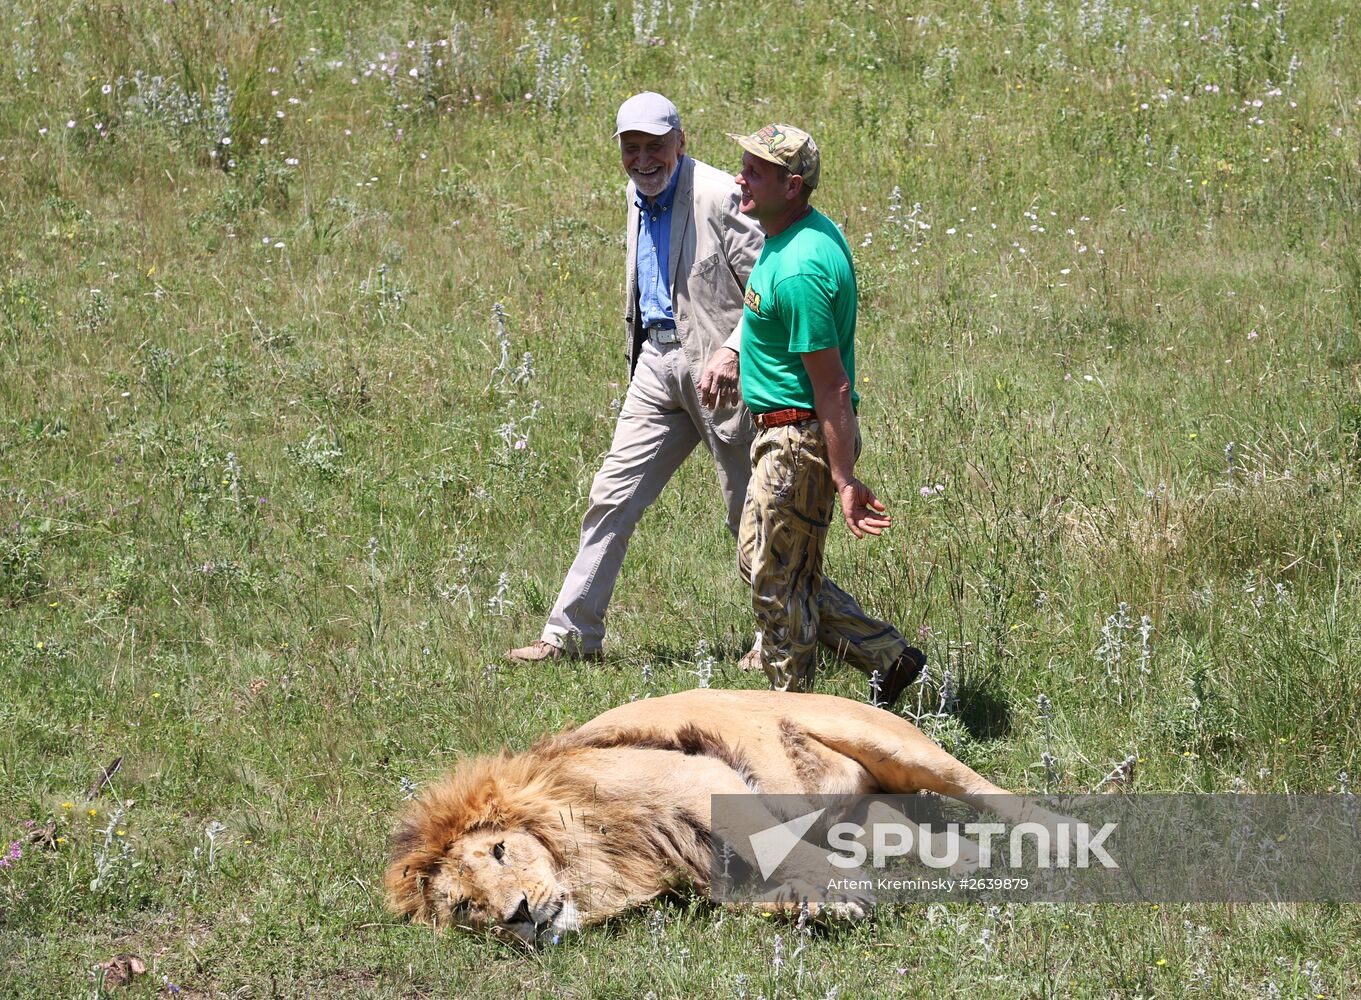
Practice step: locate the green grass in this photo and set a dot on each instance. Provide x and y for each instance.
(256, 501)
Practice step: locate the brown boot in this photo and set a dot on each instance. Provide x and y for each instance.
(541, 652)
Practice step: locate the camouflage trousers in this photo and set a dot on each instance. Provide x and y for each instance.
(791, 502)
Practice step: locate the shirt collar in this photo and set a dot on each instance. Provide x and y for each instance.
(668, 196)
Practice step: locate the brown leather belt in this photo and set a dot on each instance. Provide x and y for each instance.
(780, 418)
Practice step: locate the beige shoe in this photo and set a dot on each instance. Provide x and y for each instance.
(541, 652)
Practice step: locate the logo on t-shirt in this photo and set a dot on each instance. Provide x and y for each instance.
(753, 300)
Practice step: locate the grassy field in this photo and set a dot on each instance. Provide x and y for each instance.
(310, 343)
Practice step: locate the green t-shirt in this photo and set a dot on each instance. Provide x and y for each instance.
(800, 298)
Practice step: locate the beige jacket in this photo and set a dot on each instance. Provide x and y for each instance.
(712, 251)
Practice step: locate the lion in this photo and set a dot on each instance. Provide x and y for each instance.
(604, 817)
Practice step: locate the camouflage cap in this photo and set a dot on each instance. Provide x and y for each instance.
(787, 146)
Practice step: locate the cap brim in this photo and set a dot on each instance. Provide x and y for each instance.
(754, 148)
(651, 128)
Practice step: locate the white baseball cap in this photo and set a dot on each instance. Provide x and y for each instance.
(647, 112)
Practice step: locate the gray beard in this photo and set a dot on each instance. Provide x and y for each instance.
(660, 189)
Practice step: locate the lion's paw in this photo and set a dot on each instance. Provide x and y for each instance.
(815, 902)
(850, 911)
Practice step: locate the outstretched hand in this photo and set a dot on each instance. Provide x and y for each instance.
(863, 511)
(720, 382)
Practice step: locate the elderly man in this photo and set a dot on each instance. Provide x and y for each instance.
(689, 253)
(798, 378)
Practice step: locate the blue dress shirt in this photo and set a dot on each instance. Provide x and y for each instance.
(654, 254)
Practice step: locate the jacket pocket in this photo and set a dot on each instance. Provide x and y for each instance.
(702, 267)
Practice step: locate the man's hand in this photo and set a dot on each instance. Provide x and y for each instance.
(720, 382)
(864, 513)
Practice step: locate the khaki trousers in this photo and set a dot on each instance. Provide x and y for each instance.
(660, 423)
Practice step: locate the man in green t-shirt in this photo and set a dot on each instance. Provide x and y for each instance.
(798, 379)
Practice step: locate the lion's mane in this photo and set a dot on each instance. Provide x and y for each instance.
(612, 852)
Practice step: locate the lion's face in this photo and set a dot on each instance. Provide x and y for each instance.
(501, 881)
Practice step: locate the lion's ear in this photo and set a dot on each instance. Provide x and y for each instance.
(411, 862)
(405, 840)
(483, 805)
